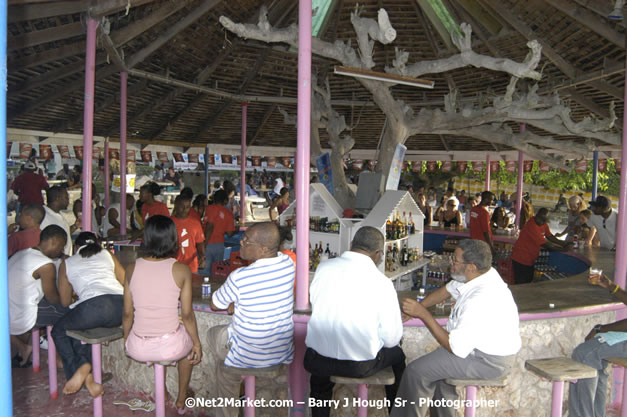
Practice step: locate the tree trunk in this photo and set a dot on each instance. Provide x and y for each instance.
(394, 134)
(342, 193)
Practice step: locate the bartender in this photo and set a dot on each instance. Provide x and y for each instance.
(534, 236)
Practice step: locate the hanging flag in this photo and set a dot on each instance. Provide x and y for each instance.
(286, 161)
(212, 159)
(163, 156)
(357, 164)
(477, 166)
(544, 167)
(394, 175)
(130, 155)
(25, 150)
(617, 164)
(528, 165)
(227, 159)
(431, 166)
(193, 158)
(256, 161)
(78, 152)
(462, 166)
(494, 166)
(45, 151)
(510, 166)
(146, 156)
(114, 154)
(178, 157)
(602, 165)
(64, 150)
(447, 166)
(271, 161)
(581, 166)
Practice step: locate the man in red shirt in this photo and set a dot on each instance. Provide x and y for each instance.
(218, 221)
(480, 220)
(152, 207)
(28, 236)
(191, 237)
(533, 236)
(28, 186)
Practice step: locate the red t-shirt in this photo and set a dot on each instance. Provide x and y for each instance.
(531, 238)
(152, 210)
(28, 188)
(24, 239)
(222, 219)
(190, 233)
(479, 223)
(194, 214)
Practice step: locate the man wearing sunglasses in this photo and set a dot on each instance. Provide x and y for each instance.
(604, 220)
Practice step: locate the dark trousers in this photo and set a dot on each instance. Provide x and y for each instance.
(48, 314)
(523, 274)
(322, 368)
(101, 311)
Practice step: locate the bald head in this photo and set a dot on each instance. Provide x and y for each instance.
(267, 234)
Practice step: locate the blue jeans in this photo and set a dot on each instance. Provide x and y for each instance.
(214, 252)
(101, 311)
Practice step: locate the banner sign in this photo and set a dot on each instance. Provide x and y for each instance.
(357, 164)
(462, 166)
(447, 166)
(325, 174)
(271, 161)
(25, 150)
(416, 166)
(178, 157)
(192, 158)
(256, 161)
(64, 150)
(617, 163)
(544, 167)
(78, 152)
(431, 166)
(114, 154)
(162, 156)
(394, 176)
(45, 151)
(130, 183)
(510, 166)
(528, 166)
(212, 159)
(97, 153)
(146, 156)
(130, 155)
(494, 166)
(602, 165)
(477, 166)
(286, 161)
(581, 166)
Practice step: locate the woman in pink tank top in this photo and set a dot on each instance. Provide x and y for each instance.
(153, 288)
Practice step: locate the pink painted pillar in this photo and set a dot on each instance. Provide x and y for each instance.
(487, 172)
(88, 121)
(107, 179)
(123, 84)
(519, 186)
(297, 376)
(242, 181)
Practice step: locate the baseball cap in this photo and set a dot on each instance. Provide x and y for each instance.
(602, 202)
(30, 165)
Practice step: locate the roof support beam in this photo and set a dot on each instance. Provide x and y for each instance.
(600, 8)
(446, 147)
(37, 37)
(589, 20)
(592, 76)
(435, 22)
(587, 103)
(608, 88)
(24, 12)
(101, 8)
(264, 120)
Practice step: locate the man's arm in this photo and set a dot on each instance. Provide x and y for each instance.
(435, 297)
(187, 313)
(208, 231)
(48, 276)
(113, 219)
(128, 314)
(554, 243)
(415, 309)
(65, 288)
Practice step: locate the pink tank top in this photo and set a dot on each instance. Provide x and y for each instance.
(155, 298)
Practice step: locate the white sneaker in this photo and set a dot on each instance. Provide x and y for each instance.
(43, 343)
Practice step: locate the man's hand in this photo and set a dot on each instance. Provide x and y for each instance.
(230, 309)
(405, 317)
(413, 308)
(604, 282)
(12, 228)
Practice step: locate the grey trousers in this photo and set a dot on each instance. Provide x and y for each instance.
(588, 397)
(424, 379)
(228, 385)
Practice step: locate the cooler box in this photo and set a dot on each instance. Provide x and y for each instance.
(505, 269)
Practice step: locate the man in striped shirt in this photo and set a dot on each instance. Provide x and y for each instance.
(261, 299)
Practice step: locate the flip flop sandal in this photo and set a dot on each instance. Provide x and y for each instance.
(135, 402)
(147, 406)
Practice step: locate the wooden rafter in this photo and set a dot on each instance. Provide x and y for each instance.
(600, 8)
(99, 8)
(592, 76)
(476, 28)
(37, 37)
(480, 15)
(608, 88)
(587, 103)
(264, 120)
(590, 20)
(436, 22)
(446, 147)
(24, 12)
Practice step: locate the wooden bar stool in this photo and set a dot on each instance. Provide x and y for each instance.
(95, 337)
(249, 375)
(621, 362)
(471, 389)
(52, 360)
(383, 377)
(559, 370)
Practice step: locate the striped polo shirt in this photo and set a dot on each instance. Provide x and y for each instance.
(262, 328)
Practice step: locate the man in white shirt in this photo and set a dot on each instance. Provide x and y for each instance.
(355, 326)
(480, 339)
(58, 199)
(604, 220)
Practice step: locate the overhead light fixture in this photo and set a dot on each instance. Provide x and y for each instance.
(617, 13)
(382, 76)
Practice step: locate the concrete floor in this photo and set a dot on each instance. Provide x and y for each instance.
(31, 398)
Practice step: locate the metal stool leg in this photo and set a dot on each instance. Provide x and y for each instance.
(249, 392)
(35, 343)
(96, 369)
(471, 395)
(362, 394)
(159, 390)
(557, 397)
(52, 365)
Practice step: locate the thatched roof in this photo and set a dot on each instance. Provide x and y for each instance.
(583, 59)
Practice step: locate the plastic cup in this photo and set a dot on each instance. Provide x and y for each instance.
(595, 276)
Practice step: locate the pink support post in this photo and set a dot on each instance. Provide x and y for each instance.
(557, 398)
(297, 372)
(52, 365)
(159, 390)
(623, 409)
(487, 172)
(123, 83)
(249, 392)
(362, 394)
(88, 121)
(35, 344)
(242, 180)
(107, 179)
(471, 396)
(519, 186)
(96, 369)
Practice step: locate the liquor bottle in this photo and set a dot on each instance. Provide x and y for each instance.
(205, 288)
(406, 224)
(388, 229)
(328, 251)
(412, 225)
(404, 255)
(399, 226)
(320, 248)
(421, 294)
(395, 253)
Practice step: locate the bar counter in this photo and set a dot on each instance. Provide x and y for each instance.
(545, 331)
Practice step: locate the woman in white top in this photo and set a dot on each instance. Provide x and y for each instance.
(97, 278)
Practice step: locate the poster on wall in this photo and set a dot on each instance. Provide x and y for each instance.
(602, 165)
(431, 166)
(394, 176)
(357, 164)
(528, 165)
(416, 166)
(494, 166)
(212, 159)
(64, 151)
(130, 183)
(25, 150)
(447, 166)
(178, 157)
(130, 155)
(193, 158)
(45, 151)
(581, 166)
(271, 161)
(510, 166)
(544, 167)
(163, 156)
(227, 159)
(114, 154)
(256, 161)
(462, 166)
(286, 161)
(146, 156)
(477, 166)
(325, 175)
(78, 152)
